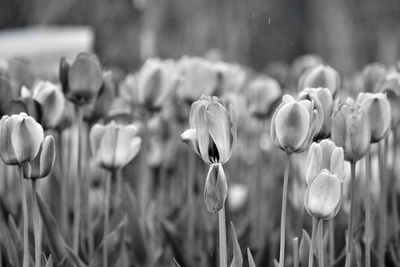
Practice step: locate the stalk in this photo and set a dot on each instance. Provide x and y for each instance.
(383, 203)
(223, 259)
(394, 192)
(331, 225)
(296, 252)
(351, 217)
(25, 260)
(36, 225)
(368, 210)
(78, 183)
(144, 189)
(320, 244)
(107, 210)
(64, 186)
(313, 233)
(283, 214)
(190, 202)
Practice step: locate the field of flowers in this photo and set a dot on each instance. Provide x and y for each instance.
(199, 162)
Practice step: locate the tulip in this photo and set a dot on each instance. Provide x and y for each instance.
(42, 164)
(156, 81)
(351, 131)
(294, 124)
(215, 189)
(6, 95)
(323, 196)
(198, 77)
(323, 101)
(320, 76)
(82, 80)
(390, 84)
(212, 130)
(20, 139)
(372, 74)
(231, 77)
(52, 102)
(378, 109)
(262, 95)
(114, 145)
(26, 104)
(303, 63)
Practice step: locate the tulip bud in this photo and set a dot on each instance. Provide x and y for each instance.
(323, 196)
(351, 131)
(212, 130)
(114, 145)
(82, 80)
(390, 84)
(294, 124)
(263, 93)
(372, 73)
(216, 188)
(21, 137)
(42, 164)
(320, 76)
(51, 100)
(378, 109)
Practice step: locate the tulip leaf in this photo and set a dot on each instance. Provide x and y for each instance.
(10, 247)
(250, 259)
(75, 258)
(176, 263)
(237, 260)
(49, 262)
(304, 248)
(15, 234)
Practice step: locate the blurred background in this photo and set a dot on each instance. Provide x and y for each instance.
(346, 33)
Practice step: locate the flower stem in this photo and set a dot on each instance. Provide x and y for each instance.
(383, 204)
(78, 183)
(313, 233)
(331, 224)
(296, 252)
(223, 259)
(352, 211)
(106, 215)
(25, 260)
(368, 210)
(36, 225)
(283, 214)
(320, 243)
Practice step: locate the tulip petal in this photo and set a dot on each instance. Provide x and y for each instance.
(26, 139)
(107, 150)
(189, 137)
(337, 163)
(6, 149)
(314, 162)
(215, 189)
(327, 147)
(125, 153)
(96, 134)
(47, 156)
(203, 137)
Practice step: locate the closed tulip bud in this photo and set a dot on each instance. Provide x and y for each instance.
(294, 124)
(156, 82)
(378, 109)
(42, 164)
(324, 155)
(82, 80)
(212, 130)
(263, 93)
(198, 77)
(216, 188)
(351, 130)
(323, 101)
(51, 100)
(390, 84)
(323, 196)
(20, 139)
(320, 76)
(114, 146)
(372, 73)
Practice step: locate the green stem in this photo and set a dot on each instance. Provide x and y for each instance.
(331, 224)
(313, 234)
(145, 185)
(352, 211)
(223, 259)
(64, 186)
(36, 225)
(25, 259)
(383, 203)
(283, 213)
(106, 212)
(368, 210)
(78, 185)
(295, 252)
(190, 202)
(320, 244)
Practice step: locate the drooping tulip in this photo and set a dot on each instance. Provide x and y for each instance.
(294, 124)
(51, 100)
(372, 74)
(320, 76)
(113, 145)
(262, 93)
(82, 80)
(216, 188)
(323, 196)
(351, 130)
(198, 77)
(20, 139)
(378, 109)
(323, 101)
(390, 84)
(42, 164)
(212, 130)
